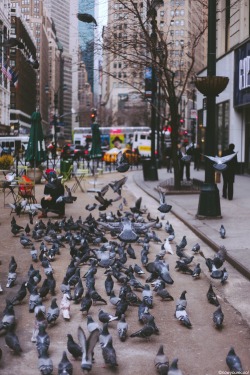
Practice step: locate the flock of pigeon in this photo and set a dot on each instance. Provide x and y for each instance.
(104, 247)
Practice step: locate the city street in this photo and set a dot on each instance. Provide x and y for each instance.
(201, 349)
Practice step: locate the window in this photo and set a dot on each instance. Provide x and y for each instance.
(162, 13)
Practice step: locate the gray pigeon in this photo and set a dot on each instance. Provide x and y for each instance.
(42, 340)
(12, 341)
(109, 354)
(218, 317)
(211, 296)
(161, 362)
(233, 361)
(53, 312)
(164, 207)
(122, 328)
(104, 335)
(173, 369)
(45, 364)
(65, 366)
(222, 231)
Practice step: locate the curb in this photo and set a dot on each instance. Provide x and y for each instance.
(239, 267)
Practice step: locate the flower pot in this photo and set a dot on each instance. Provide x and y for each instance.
(35, 173)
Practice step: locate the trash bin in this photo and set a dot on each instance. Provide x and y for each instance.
(146, 166)
(65, 166)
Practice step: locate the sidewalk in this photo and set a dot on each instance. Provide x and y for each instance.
(235, 216)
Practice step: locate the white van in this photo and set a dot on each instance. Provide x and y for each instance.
(141, 143)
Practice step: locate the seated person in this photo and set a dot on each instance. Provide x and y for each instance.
(52, 191)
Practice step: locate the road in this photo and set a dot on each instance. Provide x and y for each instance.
(201, 350)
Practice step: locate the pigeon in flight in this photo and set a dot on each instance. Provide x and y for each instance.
(87, 346)
(117, 185)
(220, 162)
(164, 207)
(65, 366)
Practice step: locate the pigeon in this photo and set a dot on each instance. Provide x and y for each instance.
(220, 257)
(109, 354)
(161, 362)
(65, 366)
(12, 341)
(219, 274)
(86, 303)
(211, 296)
(16, 229)
(196, 271)
(122, 328)
(74, 349)
(127, 234)
(91, 324)
(20, 295)
(65, 307)
(114, 300)
(220, 162)
(25, 241)
(8, 320)
(34, 299)
(166, 247)
(12, 265)
(218, 317)
(146, 331)
(95, 296)
(105, 317)
(196, 248)
(147, 296)
(122, 163)
(12, 276)
(222, 231)
(233, 361)
(164, 207)
(42, 340)
(164, 294)
(137, 208)
(104, 335)
(87, 346)
(78, 292)
(173, 368)
(183, 242)
(53, 312)
(138, 270)
(109, 284)
(91, 207)
(131, 252)
(66, 198)
(180, 311)
(45, 364)
(117, 185)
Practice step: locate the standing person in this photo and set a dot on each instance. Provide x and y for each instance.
(185, 160)
(52, 191)
(229, 173)
(169, 159)
(197, 157)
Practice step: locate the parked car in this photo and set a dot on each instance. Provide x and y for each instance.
(111, 155)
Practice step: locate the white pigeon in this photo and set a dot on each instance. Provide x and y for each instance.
(167, 247)
(220, 161)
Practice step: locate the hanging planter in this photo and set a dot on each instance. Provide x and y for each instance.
(211, 85)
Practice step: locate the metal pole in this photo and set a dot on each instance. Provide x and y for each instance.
(153, 175)
(209, 203)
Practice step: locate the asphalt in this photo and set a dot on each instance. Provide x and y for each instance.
(235, 215)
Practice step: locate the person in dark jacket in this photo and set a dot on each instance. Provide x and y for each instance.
(52, 191)
(229, 173)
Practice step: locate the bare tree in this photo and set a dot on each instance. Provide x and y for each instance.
(138, 42)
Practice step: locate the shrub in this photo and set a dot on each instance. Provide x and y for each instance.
(6, 162)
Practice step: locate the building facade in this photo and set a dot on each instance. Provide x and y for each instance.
(178, 22)
(233, 54)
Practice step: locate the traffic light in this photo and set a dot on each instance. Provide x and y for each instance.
(93, 114)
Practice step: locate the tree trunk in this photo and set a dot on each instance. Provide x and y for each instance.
(175, 139)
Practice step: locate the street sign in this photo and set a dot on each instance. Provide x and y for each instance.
(193, 113)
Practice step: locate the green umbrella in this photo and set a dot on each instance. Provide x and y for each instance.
(96, 150)
(36, 150)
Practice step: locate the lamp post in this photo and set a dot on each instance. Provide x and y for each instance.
(210, 86)
(152, 174)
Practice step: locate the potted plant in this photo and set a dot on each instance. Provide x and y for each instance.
(6, 162)
(35, 173)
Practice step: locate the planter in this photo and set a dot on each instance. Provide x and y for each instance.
(35, 172)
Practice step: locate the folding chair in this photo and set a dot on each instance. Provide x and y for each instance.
(79, 177)
(67, 175)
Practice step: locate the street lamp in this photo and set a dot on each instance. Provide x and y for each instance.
(211, 86)
(152, 174)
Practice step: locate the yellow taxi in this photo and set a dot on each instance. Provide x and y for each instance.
(131, 156)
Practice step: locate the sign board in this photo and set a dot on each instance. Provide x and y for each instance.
(194, 113)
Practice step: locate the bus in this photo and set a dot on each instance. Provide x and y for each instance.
(11, 144)
(81, 136)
